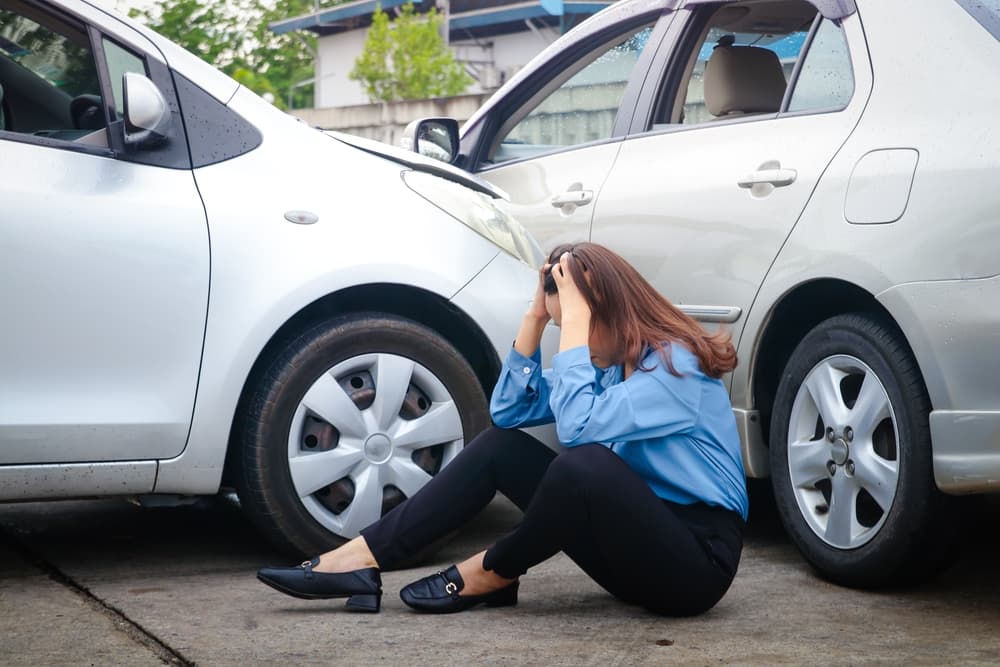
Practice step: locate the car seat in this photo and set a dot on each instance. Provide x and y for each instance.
(743, 80)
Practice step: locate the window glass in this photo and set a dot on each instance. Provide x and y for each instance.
(987, 12)
(785, 45)
(747, 51)
(825, 79)
(121, 61)
(49, 79)
(582, 109)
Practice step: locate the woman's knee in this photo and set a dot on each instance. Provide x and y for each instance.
(582, 462)
(502, 443)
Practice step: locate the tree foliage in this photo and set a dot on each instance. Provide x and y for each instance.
(407, 59)
(233, 35)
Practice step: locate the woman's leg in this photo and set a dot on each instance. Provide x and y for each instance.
(508, 461)
(591, 505)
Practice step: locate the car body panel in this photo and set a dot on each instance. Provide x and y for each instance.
(532, 186)
(103, 339)
(306, 262)
(73, 480)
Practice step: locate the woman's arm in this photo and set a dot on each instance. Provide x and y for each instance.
(521, 395)
(648, 404)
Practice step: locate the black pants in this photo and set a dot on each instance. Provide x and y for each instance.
(669, 558)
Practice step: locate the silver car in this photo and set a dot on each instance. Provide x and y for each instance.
(821, 178)
(199, 291)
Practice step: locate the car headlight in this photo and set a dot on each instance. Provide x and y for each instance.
(479, 212)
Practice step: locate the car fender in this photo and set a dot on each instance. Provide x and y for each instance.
(351, 239)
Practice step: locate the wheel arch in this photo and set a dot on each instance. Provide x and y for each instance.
(421, 306)
(791, 318)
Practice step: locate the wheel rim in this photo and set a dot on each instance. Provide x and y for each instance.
(369, 433)
(843, 454)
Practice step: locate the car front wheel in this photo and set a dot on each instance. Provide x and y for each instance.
(851, 456)
(352, 418)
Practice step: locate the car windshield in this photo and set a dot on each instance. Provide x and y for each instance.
(987, 12)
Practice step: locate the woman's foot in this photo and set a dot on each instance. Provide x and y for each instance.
(449, 591)
(478, 580)
(352, 555)
(347, 572)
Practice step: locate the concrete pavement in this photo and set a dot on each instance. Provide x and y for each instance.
(109, 583)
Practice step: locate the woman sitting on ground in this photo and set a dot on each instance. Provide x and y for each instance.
(649, 495)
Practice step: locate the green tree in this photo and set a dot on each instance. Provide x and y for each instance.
(407, 59)
(233, 35)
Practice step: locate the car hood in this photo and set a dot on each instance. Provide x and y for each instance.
(421, 163)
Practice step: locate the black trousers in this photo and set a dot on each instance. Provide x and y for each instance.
(671, 559)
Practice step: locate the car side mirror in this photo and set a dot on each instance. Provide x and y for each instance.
(432, 137)
(147, 115)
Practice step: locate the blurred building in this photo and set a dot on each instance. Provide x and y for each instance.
(491, 38)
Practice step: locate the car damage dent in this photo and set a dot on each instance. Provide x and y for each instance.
(418, 162)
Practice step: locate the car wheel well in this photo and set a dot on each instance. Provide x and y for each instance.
(421, 306)
(791, 319)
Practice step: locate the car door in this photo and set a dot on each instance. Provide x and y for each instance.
(701, 202)
(551, 145)
(104, 256)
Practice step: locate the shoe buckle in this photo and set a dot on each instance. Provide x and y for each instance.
(450, 588)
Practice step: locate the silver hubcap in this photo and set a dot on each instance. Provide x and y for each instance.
(369, 433)
(843, 458)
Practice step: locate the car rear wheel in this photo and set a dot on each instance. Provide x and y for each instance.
(352, 418)
(851, 456)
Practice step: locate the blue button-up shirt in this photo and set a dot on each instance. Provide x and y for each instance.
(678, 433)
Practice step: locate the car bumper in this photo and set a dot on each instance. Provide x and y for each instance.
(966, 451)
(953, 328)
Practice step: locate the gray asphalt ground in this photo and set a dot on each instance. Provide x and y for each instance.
(109, 583)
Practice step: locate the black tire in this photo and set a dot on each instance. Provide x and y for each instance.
(263, 475)
(887, 546)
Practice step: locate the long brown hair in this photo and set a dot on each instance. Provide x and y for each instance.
(621, 299)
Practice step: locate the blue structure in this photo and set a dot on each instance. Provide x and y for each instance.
(468, 19)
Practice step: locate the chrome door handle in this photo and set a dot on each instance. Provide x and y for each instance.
(776, 177)
(574, 197)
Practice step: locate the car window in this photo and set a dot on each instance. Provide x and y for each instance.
(120, 61)
(986, 12)
(577, 107)
(49, 78)
(825, 79)
(735, 61)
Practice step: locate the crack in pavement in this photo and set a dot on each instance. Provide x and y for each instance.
(121, 622)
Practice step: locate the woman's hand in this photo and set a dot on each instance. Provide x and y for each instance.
(537, 310)
(575, 320)
(530, 334)
(574, 307)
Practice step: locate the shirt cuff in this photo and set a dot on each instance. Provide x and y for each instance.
(575, 356)
(522, 365)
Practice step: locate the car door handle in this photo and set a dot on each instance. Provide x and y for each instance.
(574, 197)
(776, 177)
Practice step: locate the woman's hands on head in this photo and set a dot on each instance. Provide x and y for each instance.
(529, 336)
(575, 312)
(537, 310)
(574, 307)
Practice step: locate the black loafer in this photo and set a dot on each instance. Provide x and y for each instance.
(439, 594)
(362, 588)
